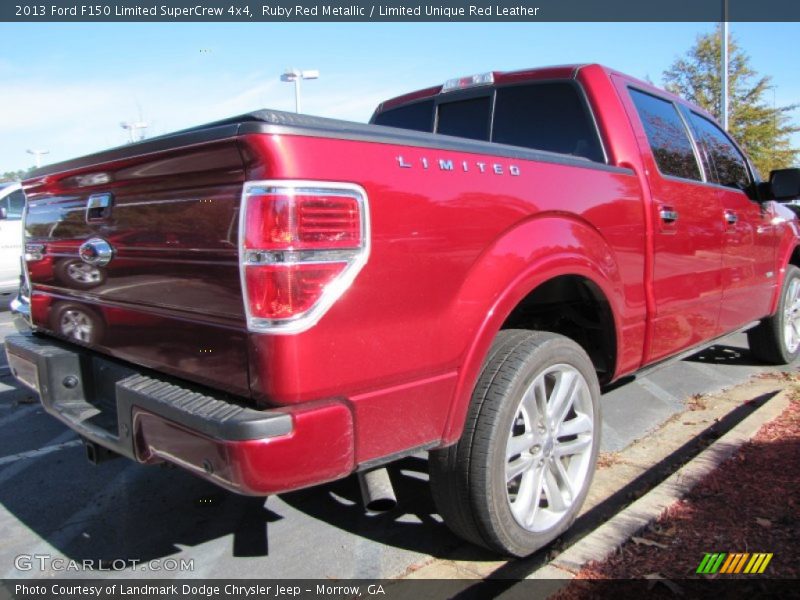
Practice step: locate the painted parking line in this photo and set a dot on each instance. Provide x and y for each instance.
(659, 392)
(18, 414)
(13, 469)
(75, 524)
(714, 374)
(4, 387)
(39, 452)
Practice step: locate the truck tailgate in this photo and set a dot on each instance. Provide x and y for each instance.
(133, 252)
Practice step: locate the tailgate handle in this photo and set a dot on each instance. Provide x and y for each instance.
(98, 207)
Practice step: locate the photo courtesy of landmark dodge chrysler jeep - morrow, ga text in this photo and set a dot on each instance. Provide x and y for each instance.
(274, 301)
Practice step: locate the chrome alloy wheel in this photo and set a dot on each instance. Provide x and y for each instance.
(791, 317)
(83, 273)
(77, 325)
(549, 448)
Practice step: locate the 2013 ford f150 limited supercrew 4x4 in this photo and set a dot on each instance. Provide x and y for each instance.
(274, 301)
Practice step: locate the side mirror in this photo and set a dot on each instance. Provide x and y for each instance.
(785, 184)
(3, 213)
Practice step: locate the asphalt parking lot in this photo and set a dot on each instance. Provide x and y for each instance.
(162, 522)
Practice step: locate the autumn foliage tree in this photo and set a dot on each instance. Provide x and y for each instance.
(762, 129)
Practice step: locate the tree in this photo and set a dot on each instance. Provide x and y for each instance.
(15, 175)
(762, 129)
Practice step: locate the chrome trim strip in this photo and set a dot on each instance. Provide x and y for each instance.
(292, 257)
(21, 311)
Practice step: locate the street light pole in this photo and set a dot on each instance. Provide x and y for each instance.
(724, 72)
(38, 156)
(297, 95)
(132, 127)
(295, 76)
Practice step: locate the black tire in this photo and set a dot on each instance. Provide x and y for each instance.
(469, 480)
(78, 323)
(767, 340)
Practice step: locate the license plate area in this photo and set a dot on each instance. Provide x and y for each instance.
(24, 370)
(76, 386)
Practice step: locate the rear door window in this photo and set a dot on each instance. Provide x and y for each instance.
(667, 135)
(465, 118)
(727, 166)
(417, 116)
(551, 116)
(546, 116)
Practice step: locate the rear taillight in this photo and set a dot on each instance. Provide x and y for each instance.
(34, 252)
(301, 244)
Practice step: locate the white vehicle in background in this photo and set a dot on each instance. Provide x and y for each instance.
(12, 201)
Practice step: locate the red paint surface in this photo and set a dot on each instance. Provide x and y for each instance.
(320, 448)
(452, 254)
(170, 299)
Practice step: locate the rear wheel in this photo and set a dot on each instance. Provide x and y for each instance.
(77, 322)
(520, 472)
(776, 340)
(79, 275)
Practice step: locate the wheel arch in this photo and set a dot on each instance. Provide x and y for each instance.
(788, 254)
(574, 306)
(516, 273)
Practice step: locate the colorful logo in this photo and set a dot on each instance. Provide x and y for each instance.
(734, 562)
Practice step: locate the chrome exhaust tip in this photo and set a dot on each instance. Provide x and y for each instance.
(377, 491)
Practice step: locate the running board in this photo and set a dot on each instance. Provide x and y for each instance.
(665, 362)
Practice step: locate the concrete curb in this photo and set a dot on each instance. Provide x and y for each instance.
(604, 540)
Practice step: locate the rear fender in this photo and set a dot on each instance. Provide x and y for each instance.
(785, 255)
(788, 245)
(525, 257)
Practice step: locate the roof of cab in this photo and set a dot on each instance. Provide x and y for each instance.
(554, 72)
(544, 73)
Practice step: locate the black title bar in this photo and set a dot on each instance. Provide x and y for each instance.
(404, 589)
(398, 10)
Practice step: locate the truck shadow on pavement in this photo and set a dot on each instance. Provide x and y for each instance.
(413, 524)
(56, 503)
(123, 511)
(723, 354)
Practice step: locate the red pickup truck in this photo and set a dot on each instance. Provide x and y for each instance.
(275, 300)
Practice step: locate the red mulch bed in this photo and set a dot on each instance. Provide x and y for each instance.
(751, 503)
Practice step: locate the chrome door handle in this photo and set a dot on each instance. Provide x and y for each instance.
(98, 207)
(731, 217)
(668, 215)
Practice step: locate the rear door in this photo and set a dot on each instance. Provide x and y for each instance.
(687, 228)
(750, 238)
